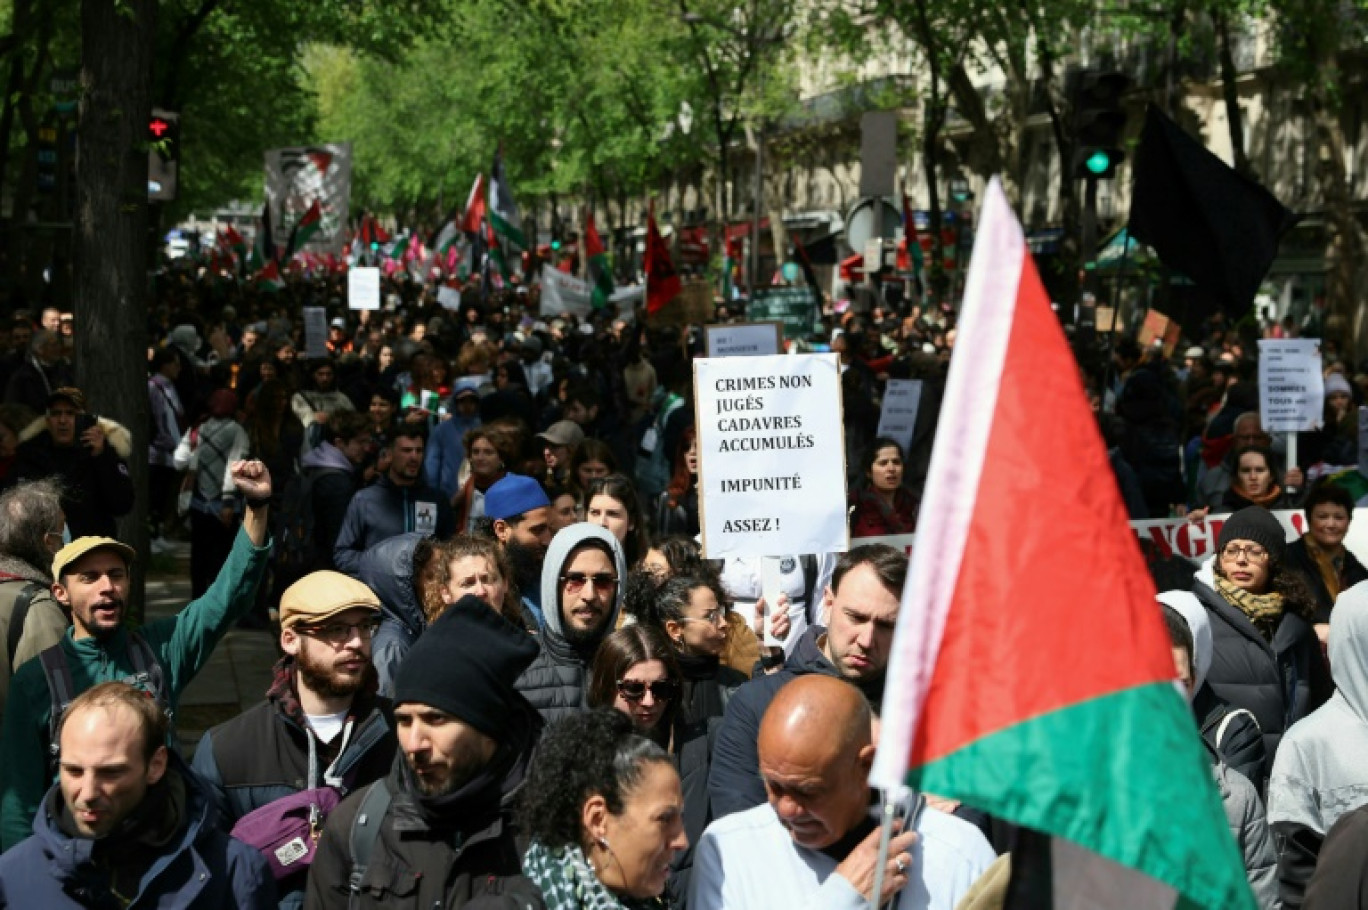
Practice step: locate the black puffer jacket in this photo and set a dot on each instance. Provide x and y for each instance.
(387, 569)
(555, 683)
(1279, 683)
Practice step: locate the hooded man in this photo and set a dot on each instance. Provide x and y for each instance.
(437, 831)
(581, 597)
(1319, 772)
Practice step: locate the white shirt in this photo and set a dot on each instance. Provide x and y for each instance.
(326, 726)
(742, 580)
(748, 861)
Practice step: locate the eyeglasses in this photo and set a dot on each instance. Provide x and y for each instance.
(713, 617)
(603, 581)
(635, 690)
(336, 633)
(1253, 552)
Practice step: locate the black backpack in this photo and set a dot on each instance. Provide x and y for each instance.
(147, 675)
(18, 617)
(296, 548)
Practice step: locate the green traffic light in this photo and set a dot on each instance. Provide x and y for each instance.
(1098, 162)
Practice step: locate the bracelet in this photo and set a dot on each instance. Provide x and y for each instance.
(257, 503)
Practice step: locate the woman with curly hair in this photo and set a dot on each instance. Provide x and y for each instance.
(475, 565)
(604, 815)
(1265, 655)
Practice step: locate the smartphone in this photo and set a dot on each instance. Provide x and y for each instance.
(85, 422)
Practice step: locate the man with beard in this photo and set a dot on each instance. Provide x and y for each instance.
(91, 578)
(397, 503)
(437, 830)
(861, 608)
(519, 516)
(582, 594)
(321, 723)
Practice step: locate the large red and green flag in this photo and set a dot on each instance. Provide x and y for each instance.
(503, 211)
(233, 241)
(304, 229)
(263, 248)
(269, 278)
(1031, 675)
(662, 281)
(600, 276)
(475, 207)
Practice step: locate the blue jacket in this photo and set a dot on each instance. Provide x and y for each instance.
(384, 510)
(387, 569)
(201, 868)
(446, 452)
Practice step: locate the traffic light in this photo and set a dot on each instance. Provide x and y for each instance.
(1099, 122)
(163, 155)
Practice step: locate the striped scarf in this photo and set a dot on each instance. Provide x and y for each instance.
(1264, 610)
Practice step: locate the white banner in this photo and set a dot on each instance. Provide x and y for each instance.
(744, 339)
(772, 454)
(898, 417)
(564, 293)
(1291, 386)
(363, 288)
(296, 177)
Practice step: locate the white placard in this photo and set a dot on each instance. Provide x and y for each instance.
(772, 449)
(744, 339)
(771, 587)
(564, 293)
(363, 288)
(448, 298)
(1291, 387)
(315, 332)
(898, 418)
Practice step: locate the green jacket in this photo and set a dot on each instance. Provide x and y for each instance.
(182, 644)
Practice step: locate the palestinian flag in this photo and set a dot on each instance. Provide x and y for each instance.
(910, 258)
(447, 236)
(397, 249)
(503, 212)
(304, 229)
(600, 276)
(268, 279)
(662, 281)
(1031, 675)
(263, 249)
(475, 207)
(232, 240)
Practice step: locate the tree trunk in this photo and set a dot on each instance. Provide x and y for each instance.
(110, 242)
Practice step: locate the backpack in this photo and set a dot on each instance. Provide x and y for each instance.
(653, 464)
(365, 830)
(296, 547)
(17, 618)
(286, 830)
(147, 675)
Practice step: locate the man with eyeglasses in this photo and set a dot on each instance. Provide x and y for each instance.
(322, 723)
(581, 595)
(88, 455)
(91, 578)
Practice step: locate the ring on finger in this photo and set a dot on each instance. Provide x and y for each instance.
(901, 864)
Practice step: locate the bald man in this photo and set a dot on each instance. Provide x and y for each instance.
(815, 843)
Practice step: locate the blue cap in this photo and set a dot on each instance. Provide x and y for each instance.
(513, 496)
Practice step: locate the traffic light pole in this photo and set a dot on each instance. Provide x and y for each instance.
(1088, 240)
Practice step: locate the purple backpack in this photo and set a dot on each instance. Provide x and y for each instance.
(286, 830)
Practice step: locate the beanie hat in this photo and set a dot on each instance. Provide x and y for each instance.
(1257, 524)
(465, 664)
(512, 496)
(1336, 382)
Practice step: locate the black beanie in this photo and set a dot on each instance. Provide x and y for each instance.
(1257, 524)
(465, 664)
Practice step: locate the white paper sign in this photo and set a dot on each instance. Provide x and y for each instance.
(562, 293)
(745, 339)
(898, 418)
(448, 298)
(1291, 387)
(772, 450)
(315, 332)
(363, 289)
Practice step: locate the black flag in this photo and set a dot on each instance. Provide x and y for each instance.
(1204, 219)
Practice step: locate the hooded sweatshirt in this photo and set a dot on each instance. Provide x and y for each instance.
(387, 569)
(1319, 773)
(555, 683)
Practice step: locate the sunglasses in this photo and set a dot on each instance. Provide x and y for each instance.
(603, 581)
(635, 690)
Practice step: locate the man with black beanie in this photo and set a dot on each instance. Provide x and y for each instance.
(437, 831)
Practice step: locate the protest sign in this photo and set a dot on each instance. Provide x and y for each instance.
(562, 292)
(744, 339)
(298, 177)
(1159, 328)
(363, 289)
(898, 417)
(315, 332)
(795, 308)
(772, 450)
(448, 298)
(1291, 387)
(693, 305)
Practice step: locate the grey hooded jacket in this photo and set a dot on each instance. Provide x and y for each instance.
(556, 681)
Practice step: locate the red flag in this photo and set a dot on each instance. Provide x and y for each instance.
(662, 281)
(475, 207)
(593, 244)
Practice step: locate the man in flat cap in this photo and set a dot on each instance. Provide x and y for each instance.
(321, 725)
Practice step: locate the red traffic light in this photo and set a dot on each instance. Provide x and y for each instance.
(158, 127)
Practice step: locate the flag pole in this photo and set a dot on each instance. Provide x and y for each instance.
(890, 808)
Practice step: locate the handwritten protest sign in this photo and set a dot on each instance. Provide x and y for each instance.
(773, 455)
(363, 289)
(898, 416)
(744, 339)
(1291, 387)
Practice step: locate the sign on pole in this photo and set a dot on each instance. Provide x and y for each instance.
(1291, 387)
(772, 455)
(448, 298)
(363, 288)
(898, 417)
(315, 332)
(744, 339)
(794, 308)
